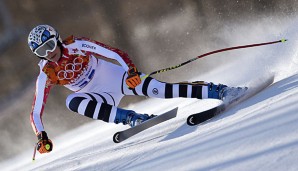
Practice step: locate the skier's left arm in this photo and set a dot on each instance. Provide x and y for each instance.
(104, 50)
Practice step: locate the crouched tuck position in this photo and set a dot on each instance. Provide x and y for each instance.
(98, 85)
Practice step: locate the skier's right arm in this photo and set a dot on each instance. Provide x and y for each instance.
(42, 90)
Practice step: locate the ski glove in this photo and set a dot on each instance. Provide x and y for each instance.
(44, 144)
(133, 78)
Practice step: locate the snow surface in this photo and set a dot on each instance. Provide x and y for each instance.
(260, 133)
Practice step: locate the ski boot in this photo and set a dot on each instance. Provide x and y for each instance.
(131, 117)
(226, 94)
(135, 119)
(214, 91)
(231, 94)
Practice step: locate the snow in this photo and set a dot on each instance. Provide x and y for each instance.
(257, 134)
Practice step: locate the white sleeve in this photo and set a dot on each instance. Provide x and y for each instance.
(41, 93)
(96, 48)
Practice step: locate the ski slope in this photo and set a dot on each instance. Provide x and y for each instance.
(258, 134)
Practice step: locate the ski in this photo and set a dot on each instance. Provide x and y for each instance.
(123, 135)
(201, 117)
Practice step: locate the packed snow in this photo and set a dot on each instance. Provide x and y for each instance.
(258, 134)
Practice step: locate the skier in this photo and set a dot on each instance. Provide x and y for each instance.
(99, 85)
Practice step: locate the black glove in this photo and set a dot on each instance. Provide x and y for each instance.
(44, 144)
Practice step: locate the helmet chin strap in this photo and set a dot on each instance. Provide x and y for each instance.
(40, 57)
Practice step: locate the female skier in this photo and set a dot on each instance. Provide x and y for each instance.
(98, 85)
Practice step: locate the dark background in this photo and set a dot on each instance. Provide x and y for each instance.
(156, 34)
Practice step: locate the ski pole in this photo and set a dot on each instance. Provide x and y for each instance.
(210, 53)
(34, 152)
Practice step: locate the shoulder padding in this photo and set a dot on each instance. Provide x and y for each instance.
(69, 40)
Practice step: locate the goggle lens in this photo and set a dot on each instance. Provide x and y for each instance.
(48, 46)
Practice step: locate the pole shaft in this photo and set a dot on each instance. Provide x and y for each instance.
(210, 53)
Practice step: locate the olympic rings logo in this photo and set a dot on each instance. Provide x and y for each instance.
(70, 69)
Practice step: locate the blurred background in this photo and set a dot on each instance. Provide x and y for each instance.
(156, 34)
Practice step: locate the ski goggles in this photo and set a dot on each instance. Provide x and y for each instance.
(48, 46)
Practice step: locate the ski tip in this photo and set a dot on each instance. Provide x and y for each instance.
(116, 137)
